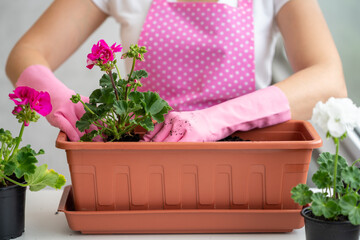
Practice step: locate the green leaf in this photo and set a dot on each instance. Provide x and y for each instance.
(139, 74)
(326, 163)
(301, 194)
(9, 168)
(121, 108)
(147, 123)
(322, 179)
(104, 95)
(348, 202)
(105, 81)
(83, 124)
(351, 176)
(138, 99)
(43, 177)
(25, 161)
(88, 137)
(155, 106)
(349, 207)
(324, 206)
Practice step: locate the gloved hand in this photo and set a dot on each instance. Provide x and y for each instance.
(258, 109)
(64, 113)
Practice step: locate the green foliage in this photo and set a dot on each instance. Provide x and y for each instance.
(117, 107)
(16, 164)
(301, 194)
(43, 177)
(345, 200)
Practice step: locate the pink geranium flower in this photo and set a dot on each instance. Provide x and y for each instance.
(37, 101)
(101, 53)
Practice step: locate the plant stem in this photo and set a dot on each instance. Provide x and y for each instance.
(113, 84)
(118, 72)
(355, 162)
(132, 67)
(87, 107)
(13, 181)
(18, 141)
(336, 141)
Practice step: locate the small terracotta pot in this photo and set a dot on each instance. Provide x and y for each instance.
(12, 211)
(317, 229)
(256, 174)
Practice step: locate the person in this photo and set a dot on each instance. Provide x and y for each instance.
(210, 59)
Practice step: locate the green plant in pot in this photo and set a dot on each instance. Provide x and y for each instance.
(334, 211)
(18, 164)
(117, 107)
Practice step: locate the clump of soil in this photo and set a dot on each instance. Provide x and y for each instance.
(233, 139)
(130, 138)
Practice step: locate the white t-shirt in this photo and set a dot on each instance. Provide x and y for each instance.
(131, 15)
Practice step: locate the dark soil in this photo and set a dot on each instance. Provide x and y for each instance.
(340, 218)
(130, 138)
(233, 139)
(8, 183)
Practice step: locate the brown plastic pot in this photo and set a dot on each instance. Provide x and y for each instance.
(196, 175)
(179, 220)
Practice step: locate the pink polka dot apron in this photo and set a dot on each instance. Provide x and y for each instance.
(200, 54)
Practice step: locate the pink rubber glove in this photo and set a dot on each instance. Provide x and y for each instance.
(258, 109)
(65, 113)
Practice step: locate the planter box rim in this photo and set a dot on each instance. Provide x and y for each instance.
(314, 141)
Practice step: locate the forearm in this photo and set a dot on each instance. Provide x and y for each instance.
(312, 84)
(313, 56)
(21, 57)
(63, 27)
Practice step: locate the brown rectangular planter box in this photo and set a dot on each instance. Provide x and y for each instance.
(256, 174)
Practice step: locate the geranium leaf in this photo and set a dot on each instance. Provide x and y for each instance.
(147, 123)
(43, 177)
(323, 206)
(9, 168)
(155, 106)
(354, 216)
(321, 179)
(105, 81)
(348, 202)
(139, 74)
(326, 163)
(121, 107)
(351, 176)
(301, 194)
(25, 163)
(83, 124)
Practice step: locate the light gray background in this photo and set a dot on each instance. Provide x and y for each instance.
(16, 16)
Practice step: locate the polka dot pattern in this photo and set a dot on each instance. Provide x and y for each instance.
(200, 54)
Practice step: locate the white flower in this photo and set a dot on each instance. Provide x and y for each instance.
(336, 116)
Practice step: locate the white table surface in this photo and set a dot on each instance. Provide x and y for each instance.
(42, 222)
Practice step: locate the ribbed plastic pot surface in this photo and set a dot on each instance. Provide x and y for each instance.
(12, 211)
(316, 229)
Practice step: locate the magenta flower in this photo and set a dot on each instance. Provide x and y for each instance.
(101, 53)
(38, 101)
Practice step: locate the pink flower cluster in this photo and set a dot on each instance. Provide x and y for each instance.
(37, 101)
(101, 53)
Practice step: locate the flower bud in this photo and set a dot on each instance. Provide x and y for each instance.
(75, 98)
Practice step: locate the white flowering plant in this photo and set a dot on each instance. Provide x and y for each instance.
(339, 182)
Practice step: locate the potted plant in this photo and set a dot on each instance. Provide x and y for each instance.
(114, 176)
(117, 107)
(334, 211)
(18, 168)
